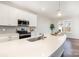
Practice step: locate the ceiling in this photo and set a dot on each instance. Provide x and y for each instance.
(47, 8)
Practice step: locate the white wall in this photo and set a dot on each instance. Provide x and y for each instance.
(71, 12)
(72, 9)
(75, 28)
(43, 24)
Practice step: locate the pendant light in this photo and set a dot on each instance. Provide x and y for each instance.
(59, 14)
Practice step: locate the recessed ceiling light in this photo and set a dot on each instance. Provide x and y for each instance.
(43, 9)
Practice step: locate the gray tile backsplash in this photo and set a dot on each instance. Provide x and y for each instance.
(7, 29)
(12, 29)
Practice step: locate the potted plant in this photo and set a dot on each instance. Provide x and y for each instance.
(52, 27)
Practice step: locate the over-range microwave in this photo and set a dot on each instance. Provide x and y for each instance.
(23, 23)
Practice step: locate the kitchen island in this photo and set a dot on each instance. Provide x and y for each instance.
(49, 46)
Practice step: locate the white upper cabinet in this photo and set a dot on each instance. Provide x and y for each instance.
(20, 14)
(9, 16)
(33, 20)
(13, 16)
(24, 15)
(4, 14)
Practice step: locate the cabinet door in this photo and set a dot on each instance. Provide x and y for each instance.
(4, 14)
(26, 16)
(33, 20)
(20, 14)
(13, 16)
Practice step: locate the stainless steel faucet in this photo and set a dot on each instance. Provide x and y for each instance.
(42, 36)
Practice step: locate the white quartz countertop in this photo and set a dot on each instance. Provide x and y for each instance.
(24, 48)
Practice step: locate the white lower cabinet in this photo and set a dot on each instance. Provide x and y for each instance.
(58, 52)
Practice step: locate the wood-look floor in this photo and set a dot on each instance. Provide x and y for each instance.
(71, 48)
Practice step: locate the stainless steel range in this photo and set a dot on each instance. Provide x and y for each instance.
(23, 29)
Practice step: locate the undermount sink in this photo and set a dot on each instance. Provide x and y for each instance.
(34, 39)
